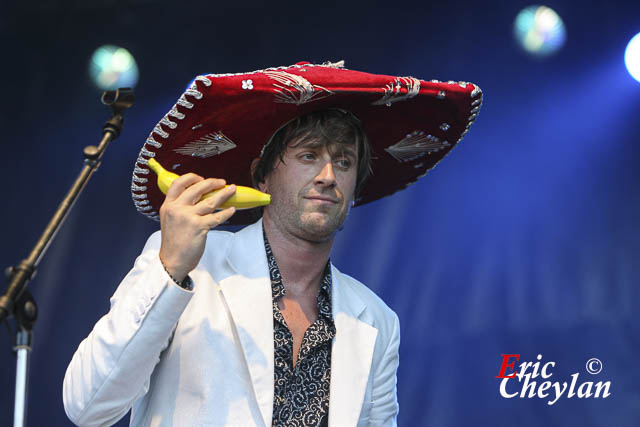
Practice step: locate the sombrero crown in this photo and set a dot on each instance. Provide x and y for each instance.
(221, 123)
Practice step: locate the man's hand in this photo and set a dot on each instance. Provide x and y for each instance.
(185, 221)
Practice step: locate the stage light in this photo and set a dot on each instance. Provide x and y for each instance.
(539, 30)
(632, 57)
(112, 67)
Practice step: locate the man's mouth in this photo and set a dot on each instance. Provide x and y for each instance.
(322, 199)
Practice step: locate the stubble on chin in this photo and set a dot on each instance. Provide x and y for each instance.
(319, 226)
(313, 224)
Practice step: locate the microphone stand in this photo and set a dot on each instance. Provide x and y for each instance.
(17, 300)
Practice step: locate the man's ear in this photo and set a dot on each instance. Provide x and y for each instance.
(259, 185)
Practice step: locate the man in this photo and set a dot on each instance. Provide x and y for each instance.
(258, 327)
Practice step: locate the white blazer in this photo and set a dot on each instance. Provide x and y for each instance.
(205, 357)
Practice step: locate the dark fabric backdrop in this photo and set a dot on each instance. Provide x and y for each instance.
(524, 241)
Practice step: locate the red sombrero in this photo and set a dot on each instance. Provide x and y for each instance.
(221, 123)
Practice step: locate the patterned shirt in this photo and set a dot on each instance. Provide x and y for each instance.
(301, 393)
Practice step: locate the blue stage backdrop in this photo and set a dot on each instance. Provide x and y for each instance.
(525, 240)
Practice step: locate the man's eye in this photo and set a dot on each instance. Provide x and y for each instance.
(344, 163)
(307, 156)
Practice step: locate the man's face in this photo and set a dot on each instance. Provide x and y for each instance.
(311, 191)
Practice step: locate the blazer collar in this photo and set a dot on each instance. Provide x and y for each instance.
(343, 298)
(246, 253)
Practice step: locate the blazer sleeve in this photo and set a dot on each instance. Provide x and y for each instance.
(112, 367)
(384, 410)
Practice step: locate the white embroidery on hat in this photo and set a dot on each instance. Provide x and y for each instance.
(193, 91)
(138, 170)
(327, 64)
(247, 84)
(415, 145)
(175, 113)
(392, 91)
(152, 142)
(204, 80)
(142, 196)
(337, 65)
(182, 101)
(295, 89)
(158, 129)
(476, 91)
(145, 152)
(165, 121)
(209, 145)
(135, 187)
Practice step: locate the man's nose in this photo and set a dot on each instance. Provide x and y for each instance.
(326, 177)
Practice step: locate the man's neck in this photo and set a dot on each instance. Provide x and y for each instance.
(301, 262)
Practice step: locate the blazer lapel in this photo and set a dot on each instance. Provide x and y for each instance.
(351, 354)
(248, 297)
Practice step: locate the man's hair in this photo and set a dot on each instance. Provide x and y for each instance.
(327, 127)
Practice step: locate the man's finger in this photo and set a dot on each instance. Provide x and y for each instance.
(178, 186)
(194, 193)
(210, 204)
(215, 219)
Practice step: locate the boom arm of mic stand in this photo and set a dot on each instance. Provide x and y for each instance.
(118, 101)
(17, 300)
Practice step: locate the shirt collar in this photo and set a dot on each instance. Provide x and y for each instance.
(277, 287)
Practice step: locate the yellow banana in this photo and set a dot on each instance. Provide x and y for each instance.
(243, 198)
